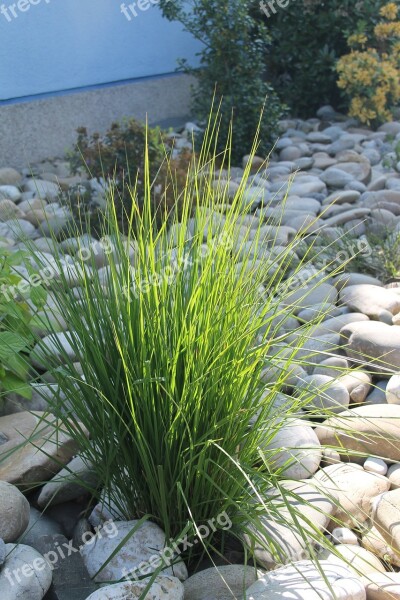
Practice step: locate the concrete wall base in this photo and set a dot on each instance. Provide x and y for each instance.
(46, 128)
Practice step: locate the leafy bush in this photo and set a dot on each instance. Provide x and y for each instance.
(119, 153)
(172, 341)
(117, 158)
(17, 317)
(231, 67)
(370, 74)
(301, 59)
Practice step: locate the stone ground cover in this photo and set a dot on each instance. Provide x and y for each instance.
(337, 186)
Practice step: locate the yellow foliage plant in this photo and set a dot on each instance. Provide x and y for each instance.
(370, 74)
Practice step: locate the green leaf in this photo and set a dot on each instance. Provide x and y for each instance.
(16, 258)
(11, 383)
(18, 365)
(11, 279)
(11, 343)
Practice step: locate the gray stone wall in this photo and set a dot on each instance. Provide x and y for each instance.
(45, 128)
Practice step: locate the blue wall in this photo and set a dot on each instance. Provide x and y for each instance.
(58, 45)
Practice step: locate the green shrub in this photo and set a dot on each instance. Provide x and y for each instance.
(231, 67)
(117, 159)
(119, 153)
(370, 74)
(18, 304)
(308, 37)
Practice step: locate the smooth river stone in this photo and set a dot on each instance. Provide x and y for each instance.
(369, 430)
(375, 344)
(306, 580)
(23, 463)
(354, 488)
(376, 302)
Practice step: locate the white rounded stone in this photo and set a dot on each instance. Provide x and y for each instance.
(9, 192)
(375, 465)
(223, 583)
(14, 512)
(145, 546)
(355, 489)
(305, 580)
(25, 575)
(358, 560)
(323, 393)
(295, 449)
(163, 588)
(383, 586)
(344, 535)
(9, 176)
(393, 475)
(393, 389)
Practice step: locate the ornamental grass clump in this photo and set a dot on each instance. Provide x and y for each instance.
(370, 74)
(172, 338)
